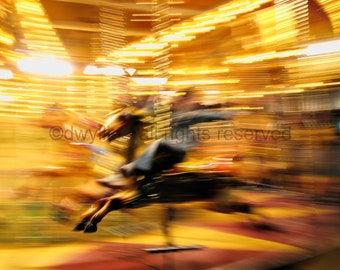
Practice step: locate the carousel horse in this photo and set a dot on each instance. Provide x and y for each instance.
(154, 176)
(104, 161)
(98, 158)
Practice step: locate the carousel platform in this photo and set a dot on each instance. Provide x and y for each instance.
(289, 232)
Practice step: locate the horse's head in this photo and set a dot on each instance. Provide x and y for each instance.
(121, 122)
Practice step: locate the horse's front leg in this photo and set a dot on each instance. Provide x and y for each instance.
(110, 204)
(89, 213)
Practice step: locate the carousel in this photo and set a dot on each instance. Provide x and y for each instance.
(165, 134)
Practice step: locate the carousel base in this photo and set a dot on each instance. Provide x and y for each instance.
(300, 233)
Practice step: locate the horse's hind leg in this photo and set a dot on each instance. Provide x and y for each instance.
(89, 192)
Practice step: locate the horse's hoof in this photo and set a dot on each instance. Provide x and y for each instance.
(242, 208)
(80, 226)
(90, 228)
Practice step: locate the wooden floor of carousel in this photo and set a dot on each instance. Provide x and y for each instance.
(298, 228)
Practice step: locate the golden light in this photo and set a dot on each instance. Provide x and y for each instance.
(184, 31)
(202, 82)
(153, 46)
(323, 48)
(263, 56)
(5, 98)
(211, 92)
(45, 66)
(113, 71)
(107, 71)
(6, 38)
(6, 74)
(135, 53)
(130, 71)
(149, 81)
(176, 37)
(168, 92)
(39, 34)
(204, 70)
(91, 70)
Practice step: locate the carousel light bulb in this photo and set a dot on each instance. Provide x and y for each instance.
(130, 71)
(90, 70)
(149, 81)
(6, 74)
(323, 48)
(45, 66)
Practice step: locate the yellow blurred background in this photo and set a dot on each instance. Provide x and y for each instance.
(64, 65)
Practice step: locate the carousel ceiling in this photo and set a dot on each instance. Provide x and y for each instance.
(193, 35)
(215, 42)
(80, 23)
(228, 50)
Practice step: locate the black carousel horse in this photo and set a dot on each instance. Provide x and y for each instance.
(152, 174)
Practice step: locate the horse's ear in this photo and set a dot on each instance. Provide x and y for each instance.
(143, 114)
(113, 112)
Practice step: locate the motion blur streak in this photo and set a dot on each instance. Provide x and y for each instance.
(272, 65)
